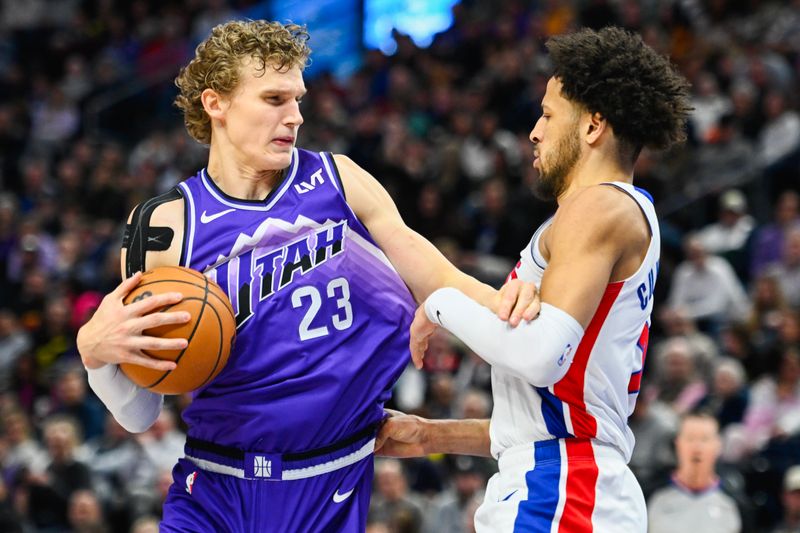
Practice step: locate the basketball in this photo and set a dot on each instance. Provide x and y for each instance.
(210, 331)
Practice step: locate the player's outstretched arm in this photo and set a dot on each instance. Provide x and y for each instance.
(403, 435)
(114, 334)
(595, 236)
(423, 268)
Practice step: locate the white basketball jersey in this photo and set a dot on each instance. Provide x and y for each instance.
(598, 393)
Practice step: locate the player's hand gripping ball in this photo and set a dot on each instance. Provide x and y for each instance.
(210, 332)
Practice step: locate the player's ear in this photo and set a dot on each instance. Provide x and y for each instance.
(213, 103)
(595, 125)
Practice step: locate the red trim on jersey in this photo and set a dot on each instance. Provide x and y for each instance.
(636, 378)
(571, 387)
(582, 473)
(635, 383)
(513, 273)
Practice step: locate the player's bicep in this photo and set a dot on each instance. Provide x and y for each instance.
(154, 234)
(421, 266)
(584, 249)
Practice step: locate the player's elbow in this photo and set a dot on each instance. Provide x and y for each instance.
(135, 425)
(545, 370)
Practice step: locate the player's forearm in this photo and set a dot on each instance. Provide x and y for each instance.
(133, 407)
(538, 352)
(464, 437)
(425, 270)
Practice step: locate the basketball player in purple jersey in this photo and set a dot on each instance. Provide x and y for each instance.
(317, 264)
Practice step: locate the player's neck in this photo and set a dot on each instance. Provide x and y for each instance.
(240, 180)
(593, 168)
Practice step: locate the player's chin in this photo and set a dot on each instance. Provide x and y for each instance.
(275, 159)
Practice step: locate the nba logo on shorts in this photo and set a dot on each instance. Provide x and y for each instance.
(190, 481)
(262, 467)
(565, 355)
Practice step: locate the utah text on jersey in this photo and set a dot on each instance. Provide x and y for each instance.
(253, 271)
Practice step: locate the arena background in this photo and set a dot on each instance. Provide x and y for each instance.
(436, 99)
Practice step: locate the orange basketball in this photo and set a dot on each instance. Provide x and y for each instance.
(210, 331)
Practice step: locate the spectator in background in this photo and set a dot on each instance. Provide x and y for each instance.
(654, 426)
(679, 385)
(768, 243)
(774, 408)
(449, 513)
(787, 270)
(392, 504)
(10, 521)
(85, 514)
(54, 339)
(122, 474)
(779, 140)
(707, 288)
(766, 313)
(710, 105)
(723, 160)
(14, 341)
(49, 493)
(694, 501)
(494, 228)
(791, 502)
(72, 398)
(145, 524)
(163, 442)
(676, 323)
(24, 452)
(728, 236)
(727, 400)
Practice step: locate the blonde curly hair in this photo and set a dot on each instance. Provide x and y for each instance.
(218, 58)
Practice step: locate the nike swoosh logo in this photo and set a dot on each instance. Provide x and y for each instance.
(339, 498)
(510, 495)
(205, 219)
(439, 317)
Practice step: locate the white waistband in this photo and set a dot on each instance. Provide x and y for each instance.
(522, 455)
(297, 473)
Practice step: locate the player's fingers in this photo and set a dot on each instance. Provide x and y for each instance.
(527, 293)
(149, 362)
(418, 349)
(380, 439)
(127, 285)
(532, 311)
(391, 413)
(160, 319)
(157, 344)
(151, 303)
(508, 297)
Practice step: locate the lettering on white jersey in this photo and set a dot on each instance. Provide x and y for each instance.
(645, 290)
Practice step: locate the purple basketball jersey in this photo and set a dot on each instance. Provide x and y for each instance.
(322, 316)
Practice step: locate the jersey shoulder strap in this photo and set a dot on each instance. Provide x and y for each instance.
(140, 237)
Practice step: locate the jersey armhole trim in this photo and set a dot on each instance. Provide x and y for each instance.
(188, 220)
(333, 172)
(641, 208)
(184, 240)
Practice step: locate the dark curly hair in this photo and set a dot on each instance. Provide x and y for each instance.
(614, 73)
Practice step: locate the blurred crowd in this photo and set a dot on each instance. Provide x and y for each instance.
(87, 131)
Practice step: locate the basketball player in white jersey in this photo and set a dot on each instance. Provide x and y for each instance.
(565, 383)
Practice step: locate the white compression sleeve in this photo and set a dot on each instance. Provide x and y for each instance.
(538, 352)
(133, 407)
